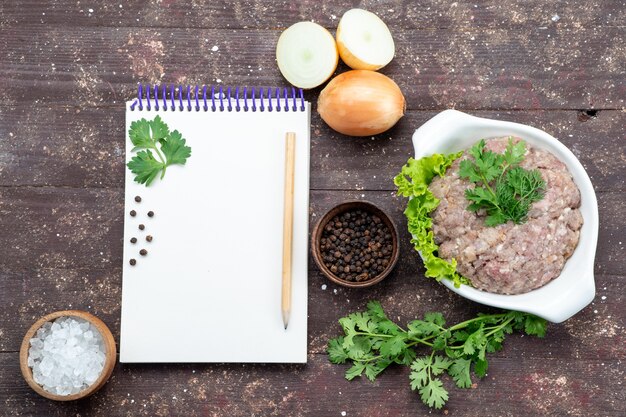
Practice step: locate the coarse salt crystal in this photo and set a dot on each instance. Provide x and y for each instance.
(215, 48)
(66, 356)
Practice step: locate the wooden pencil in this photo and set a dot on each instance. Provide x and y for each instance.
(290, 161)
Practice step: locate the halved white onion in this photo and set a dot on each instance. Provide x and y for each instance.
(306, 54)
(364, 41)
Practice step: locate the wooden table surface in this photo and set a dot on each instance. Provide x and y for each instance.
(66, 68)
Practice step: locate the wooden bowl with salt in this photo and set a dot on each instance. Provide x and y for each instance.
(109, 362)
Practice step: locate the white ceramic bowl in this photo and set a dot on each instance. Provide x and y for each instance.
(453, 131)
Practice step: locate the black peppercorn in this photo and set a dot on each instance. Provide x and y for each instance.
(132, 262)
(133, 213)
(141, 227)
(143, 252)
(150, 213)
(133, 240)
(356, 245)
(138, 199)
(149, 238)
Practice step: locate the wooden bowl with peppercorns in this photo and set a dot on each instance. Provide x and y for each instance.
(355, 244)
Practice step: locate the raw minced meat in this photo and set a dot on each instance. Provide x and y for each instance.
(509, 258)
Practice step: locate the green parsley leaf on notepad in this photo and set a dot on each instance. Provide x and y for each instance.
(154, 135)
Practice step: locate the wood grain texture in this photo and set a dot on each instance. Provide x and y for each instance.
(75, 270)
(84, 147)
(66, 67)
(470, 68)
(268, 14)
(65, 228)
(526, 384)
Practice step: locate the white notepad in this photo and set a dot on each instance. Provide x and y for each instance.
(209, 288)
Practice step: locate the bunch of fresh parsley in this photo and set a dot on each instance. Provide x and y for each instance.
(154, 135)
(502, 188)
(372, 342)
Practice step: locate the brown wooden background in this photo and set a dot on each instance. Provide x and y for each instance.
(66, 67)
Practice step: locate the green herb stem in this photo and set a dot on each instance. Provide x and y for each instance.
(452, 349)
(162, 159)
(373, 358)
(486, 184)
(372, 334)
(466, 323)
(421, 342)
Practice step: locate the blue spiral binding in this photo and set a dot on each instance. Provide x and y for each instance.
(148, 97)
(180, 98)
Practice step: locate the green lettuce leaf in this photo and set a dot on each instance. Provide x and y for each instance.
(413, 182)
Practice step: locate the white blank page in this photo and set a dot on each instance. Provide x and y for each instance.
(209, 289)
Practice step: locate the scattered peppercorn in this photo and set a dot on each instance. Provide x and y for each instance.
(133, 262)
(133, 213)
(356, 245)
(143, 252)
(133, 240)
(150, 213)
(149, 238)
(141, 227)
(138, 199)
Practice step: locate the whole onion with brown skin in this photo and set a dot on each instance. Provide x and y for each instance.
(361, 103)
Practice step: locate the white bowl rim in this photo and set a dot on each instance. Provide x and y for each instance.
(452, 131)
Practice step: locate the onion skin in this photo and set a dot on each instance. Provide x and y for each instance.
(361, 103)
